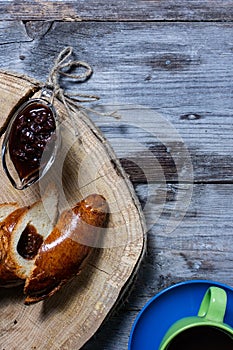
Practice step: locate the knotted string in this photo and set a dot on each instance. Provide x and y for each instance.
(72, 102)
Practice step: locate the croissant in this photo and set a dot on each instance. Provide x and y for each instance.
(44, 255)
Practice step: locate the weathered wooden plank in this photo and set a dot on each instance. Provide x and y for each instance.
(189, 156)
(13, 33)
(169, 10)
(199, 248)
(181, 71)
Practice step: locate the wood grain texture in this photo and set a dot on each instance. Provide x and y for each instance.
(149, 10)
(199, 248)
(183, 71)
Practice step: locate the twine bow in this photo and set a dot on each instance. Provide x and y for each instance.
(72, 101)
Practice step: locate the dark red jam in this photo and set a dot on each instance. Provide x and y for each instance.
(29, 242)
(32, 139)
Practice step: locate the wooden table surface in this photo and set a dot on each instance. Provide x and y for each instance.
(171, 64)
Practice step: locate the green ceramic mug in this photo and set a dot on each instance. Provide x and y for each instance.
(206, 331)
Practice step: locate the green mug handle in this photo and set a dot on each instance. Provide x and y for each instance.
(213, 306)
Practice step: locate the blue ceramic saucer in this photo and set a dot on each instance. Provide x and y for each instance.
(168, 306)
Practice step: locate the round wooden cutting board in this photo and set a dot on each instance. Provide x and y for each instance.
(86, 164)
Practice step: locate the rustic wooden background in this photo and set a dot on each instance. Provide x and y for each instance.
(175, 58)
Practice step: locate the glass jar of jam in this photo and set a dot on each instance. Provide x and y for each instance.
(31, 142)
